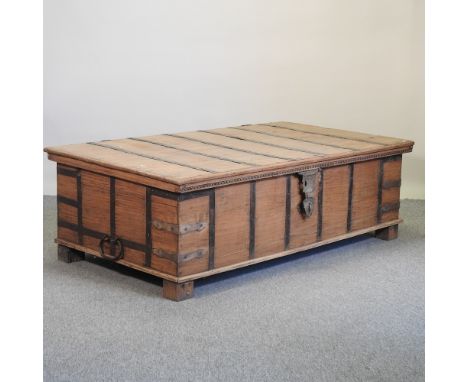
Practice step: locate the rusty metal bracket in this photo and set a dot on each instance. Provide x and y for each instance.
(179, 257)
(179, 229)
(308, 183)
(390, 207)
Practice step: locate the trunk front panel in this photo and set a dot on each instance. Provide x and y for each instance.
(187, 234)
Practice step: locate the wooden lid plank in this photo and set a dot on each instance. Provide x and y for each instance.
(316, 139)
(203, 159)
(369, 138)
(291, 143)
(183, 158)
(258, 148)
(213, 151)
(118, 159)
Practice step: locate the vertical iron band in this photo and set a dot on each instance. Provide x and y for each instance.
(112, 212)
(320, 206)
(287, 220)
(379, 194)
(212, 213)
(79, 197)
(148, 246)
(252, 220)
(349, 223)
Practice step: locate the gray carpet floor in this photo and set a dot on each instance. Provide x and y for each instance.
(352, 311)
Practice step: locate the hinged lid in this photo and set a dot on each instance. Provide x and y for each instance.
(202, 159)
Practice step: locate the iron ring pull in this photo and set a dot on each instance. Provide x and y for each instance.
(113, 242)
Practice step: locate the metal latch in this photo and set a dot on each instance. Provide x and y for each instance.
(308, 182)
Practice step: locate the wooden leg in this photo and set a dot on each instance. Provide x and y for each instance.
(388, 233)
(69, 255)
(177, 292)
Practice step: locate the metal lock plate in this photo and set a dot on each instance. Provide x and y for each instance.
(308, 184)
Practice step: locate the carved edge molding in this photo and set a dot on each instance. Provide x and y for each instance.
(292, 170)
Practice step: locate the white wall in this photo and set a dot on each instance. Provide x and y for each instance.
(119, 68)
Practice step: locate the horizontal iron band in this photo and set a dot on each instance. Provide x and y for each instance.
(391, 184)
(179, 229)
(392, 158)
(177, 196)
(67, 201)
(179, 257)
(99, 235)
(67, 171)
(390, 207)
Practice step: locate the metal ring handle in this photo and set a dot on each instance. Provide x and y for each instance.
(113, 242)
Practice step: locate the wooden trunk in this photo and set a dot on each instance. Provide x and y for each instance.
(190, 205)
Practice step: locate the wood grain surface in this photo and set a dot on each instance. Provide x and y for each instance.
(183, 161)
